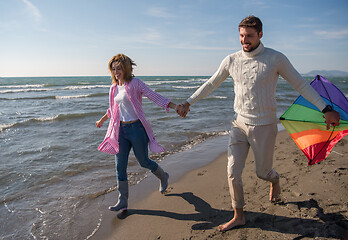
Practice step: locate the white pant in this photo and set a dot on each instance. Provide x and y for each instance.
(262, 141)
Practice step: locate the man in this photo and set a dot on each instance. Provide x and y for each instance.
(255, 71)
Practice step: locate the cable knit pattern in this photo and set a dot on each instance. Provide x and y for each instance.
(255, 75)
(135, 90)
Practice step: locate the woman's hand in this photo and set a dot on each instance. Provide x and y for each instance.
(99, 123)
(183, 109)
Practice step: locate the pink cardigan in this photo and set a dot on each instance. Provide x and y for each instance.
(135, 90)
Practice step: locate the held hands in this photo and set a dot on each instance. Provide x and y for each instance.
(332, 118)
(183, 109)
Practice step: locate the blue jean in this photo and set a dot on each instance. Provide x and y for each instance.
(134, 136)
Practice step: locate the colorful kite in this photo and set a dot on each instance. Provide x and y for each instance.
(306, 125)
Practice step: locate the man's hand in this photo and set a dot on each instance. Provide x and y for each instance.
(183, 109)
(331, 118)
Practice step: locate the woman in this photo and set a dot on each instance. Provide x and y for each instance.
(128, 127)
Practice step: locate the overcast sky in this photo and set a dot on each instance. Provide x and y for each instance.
(164, 37)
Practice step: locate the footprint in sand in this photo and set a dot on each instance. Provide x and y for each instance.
(342, 142)
(201, 173)
(340, 171)
(168, 190)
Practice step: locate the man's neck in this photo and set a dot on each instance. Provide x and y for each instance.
(254, 52)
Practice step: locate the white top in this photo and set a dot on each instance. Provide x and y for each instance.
(255, 75)
(127, 112)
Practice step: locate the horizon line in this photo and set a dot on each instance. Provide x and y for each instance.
(310, 72)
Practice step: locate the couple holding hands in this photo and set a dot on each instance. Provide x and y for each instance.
(255, 70)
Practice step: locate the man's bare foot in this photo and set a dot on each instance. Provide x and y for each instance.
(231, 224)
(237, 220)
(274, 195)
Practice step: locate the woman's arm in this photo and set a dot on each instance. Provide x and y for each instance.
(99, 123)
(153, 96)
(172, 105)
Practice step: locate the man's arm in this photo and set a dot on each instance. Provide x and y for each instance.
(209, 86)
(289, 73)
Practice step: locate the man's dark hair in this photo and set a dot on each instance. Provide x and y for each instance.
(253, 22)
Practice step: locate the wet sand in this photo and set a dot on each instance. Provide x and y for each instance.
(314, 201)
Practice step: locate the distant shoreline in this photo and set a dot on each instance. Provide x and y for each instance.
(313, 73)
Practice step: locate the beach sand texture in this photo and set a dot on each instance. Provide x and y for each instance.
(314, 202)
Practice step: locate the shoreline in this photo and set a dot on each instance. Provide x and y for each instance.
(313, 199)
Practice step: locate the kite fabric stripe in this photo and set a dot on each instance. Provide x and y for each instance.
(306, 125)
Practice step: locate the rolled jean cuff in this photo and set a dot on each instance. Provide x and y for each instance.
(273, 176)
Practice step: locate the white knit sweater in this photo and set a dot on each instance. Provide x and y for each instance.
(255, 75)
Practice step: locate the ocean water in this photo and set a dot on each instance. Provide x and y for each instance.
(52, 176)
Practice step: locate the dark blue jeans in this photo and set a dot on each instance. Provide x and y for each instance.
(134, 136)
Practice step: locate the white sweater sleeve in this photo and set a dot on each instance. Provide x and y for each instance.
(210, 85)
(289, 73)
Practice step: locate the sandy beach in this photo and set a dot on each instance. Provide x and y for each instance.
(314, 202)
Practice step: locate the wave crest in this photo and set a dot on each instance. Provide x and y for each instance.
(58, 97)
(59, 117)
